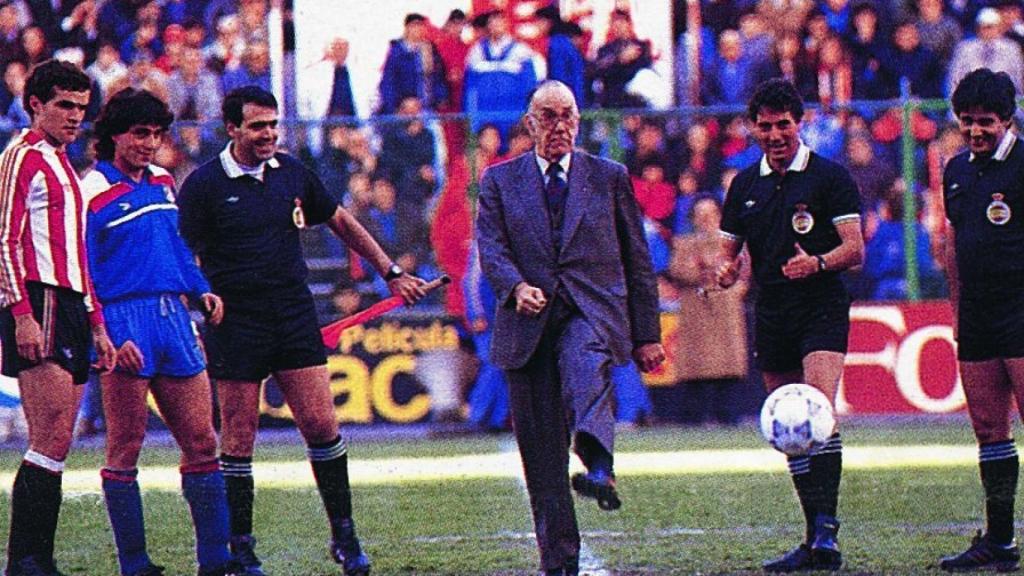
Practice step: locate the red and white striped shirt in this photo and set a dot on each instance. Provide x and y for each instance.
(42, 226)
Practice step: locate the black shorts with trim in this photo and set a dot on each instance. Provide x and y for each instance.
(265, 333)
(991, 325)
(789, 329)
(64, 323)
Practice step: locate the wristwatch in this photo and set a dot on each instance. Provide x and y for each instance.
(822, 266)
(394, 272)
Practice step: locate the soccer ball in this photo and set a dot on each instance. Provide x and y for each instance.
(797, 419)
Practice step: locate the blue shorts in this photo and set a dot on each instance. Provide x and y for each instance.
(161, 328)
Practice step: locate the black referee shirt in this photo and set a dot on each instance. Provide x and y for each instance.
(984, 200)
(772, 213)
(246, 232)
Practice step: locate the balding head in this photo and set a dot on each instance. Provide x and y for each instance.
(553, 120)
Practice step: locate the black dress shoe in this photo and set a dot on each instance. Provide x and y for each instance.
(599, 485)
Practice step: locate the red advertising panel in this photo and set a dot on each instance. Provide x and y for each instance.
(902, 359)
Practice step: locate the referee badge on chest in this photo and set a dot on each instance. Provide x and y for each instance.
(998, 212)
(298, 218)
(803, 222)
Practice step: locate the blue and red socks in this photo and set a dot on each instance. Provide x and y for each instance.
(124, 507)
(204, 490)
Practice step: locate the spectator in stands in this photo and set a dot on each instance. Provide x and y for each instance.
(399, 228)
(648, 143)
(939, 32)
(453, 50)
(254, 70)
(488, 399)
(34, 48)
(10, 28)
(990, 49)
(757, 37)
(907, 58)
(565, 59)
(816, 32)
(195, 33)
(193, 145)
(500, 75)
(874, 177)
(341, 103)
(407, 155)
(730, 76)
(14, 117)
(142, 75)
(866, 47)
(885, 255)
(359, 196)
(413, 68)
(173, 41)
(194, 91)
(107, 68)
(700, 157)
(834, 81)
(225, 52)
(656, 197)
(837, 14)
(688, 194)
(823, 132)
(519, 141)
(252, 19)
(789, 60)
(488, 148)
(144, 40)
(735, 143)
(116, 20)
(711, 365)
(785, 15)
(618, 62)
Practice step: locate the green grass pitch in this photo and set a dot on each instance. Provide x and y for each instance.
(897, 519)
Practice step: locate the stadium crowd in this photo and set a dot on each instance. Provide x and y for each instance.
(450, 96)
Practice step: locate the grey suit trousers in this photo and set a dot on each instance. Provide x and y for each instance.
(564, 388)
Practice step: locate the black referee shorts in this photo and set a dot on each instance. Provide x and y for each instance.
(991, 325)
(786, 332)
(265, 333)
(64, 322)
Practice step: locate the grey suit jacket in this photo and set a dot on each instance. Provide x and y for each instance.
(604, 263)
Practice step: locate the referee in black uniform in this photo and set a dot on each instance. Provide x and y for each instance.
(799, 216)
(241, 214)
(983, 190)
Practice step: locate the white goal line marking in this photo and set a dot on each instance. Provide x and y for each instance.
(496, 465)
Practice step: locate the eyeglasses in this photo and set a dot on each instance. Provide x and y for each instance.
(549, 118)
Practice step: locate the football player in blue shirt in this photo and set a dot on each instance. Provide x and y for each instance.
(143, 271)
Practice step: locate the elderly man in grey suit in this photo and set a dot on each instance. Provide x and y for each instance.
(561, 242)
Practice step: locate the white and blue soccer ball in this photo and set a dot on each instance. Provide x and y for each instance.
(796, 419)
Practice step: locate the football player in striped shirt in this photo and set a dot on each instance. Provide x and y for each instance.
(49, 318)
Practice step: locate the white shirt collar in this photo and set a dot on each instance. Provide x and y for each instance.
(799, 163)
(565, 162)
(1003, 150)
(235, 170)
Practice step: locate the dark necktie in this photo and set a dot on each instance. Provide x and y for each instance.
(555, 191)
